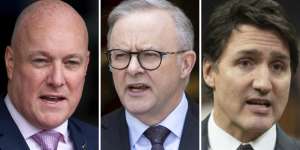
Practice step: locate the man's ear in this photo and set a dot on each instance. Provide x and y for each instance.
(9, 61)
(209, 72)
(188, 62)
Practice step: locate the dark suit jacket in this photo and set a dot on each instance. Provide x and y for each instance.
(283, 141)
(84, 136)
(115, 136)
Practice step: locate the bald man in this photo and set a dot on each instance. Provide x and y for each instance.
(46, 66)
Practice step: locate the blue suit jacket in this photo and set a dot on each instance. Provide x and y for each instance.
(115, 134)
(83, 136)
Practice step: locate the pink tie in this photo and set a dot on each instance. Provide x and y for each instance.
(48, 140)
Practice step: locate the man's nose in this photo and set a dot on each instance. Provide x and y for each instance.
(262, 81)
(134, 67)
(56, 76)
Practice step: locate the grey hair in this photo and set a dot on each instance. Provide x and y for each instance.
(183, 25)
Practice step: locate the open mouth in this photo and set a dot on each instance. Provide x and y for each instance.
(52, 99)
(139, 87)
(259, 102)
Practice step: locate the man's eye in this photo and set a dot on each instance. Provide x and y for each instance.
(245, 63)
(120, 55)
(278, 67)
(40, 62)
(72, 64)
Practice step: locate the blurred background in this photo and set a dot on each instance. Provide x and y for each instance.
(109, 98)
(88, 107)
(290, 120)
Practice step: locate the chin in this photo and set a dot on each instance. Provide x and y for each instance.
(51, 122)
(138, 106)
(137, 110)
(260, 125)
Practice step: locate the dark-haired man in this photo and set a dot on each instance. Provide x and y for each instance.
(249, 57)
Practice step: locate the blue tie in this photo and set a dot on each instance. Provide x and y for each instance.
(157, 136)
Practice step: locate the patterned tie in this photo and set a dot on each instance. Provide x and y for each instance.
(48, 140)
(157, 136)
(245, 147)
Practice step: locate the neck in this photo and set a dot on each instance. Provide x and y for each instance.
(156, 116)
(244, 135)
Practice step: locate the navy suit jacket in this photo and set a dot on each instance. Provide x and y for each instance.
(115, 134)
(83, 136)
(283, 141)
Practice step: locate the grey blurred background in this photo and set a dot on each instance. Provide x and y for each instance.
(88, 107)
(290, 120)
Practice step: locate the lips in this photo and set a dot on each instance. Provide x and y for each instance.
(137, 89)
(259, 102)
(259, 106)
(52, 98)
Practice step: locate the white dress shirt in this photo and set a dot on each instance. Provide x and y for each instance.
(174, 122)
(219, 139)
(27, 130)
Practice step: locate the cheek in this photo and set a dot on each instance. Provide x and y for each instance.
(230, 89)
(29, 80)
(75, 82)
(118, 79)
(281, 93)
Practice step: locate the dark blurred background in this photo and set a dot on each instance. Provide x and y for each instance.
(88, 107)
(290, 120)
(109, 98)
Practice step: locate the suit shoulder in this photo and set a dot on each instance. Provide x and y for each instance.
(112, 118)
(86, 128)
(285, 142)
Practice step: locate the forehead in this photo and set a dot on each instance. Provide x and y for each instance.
(143, 27)
(52, 40)
(249, 37)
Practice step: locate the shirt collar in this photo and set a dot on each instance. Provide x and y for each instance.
(27, 129)
(174, 122)
(215, 133)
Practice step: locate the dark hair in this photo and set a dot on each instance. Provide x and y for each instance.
(265, 14)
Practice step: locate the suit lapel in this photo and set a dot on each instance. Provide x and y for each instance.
(10, 136)
(114, 132)
(204, 134)
(123, 130)
(190, 133)
(283, 142)
(76, 135)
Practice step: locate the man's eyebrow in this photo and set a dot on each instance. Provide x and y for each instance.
(249, 52)
(254, 52)
(38, 52)
(279, 55)
(74, 56)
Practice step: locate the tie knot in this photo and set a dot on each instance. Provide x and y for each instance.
(47, 139)
(245, 147)
(157, 134)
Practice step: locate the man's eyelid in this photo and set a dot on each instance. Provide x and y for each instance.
(40, 59)
(77, 60)
(283, 63)
(244, 59)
